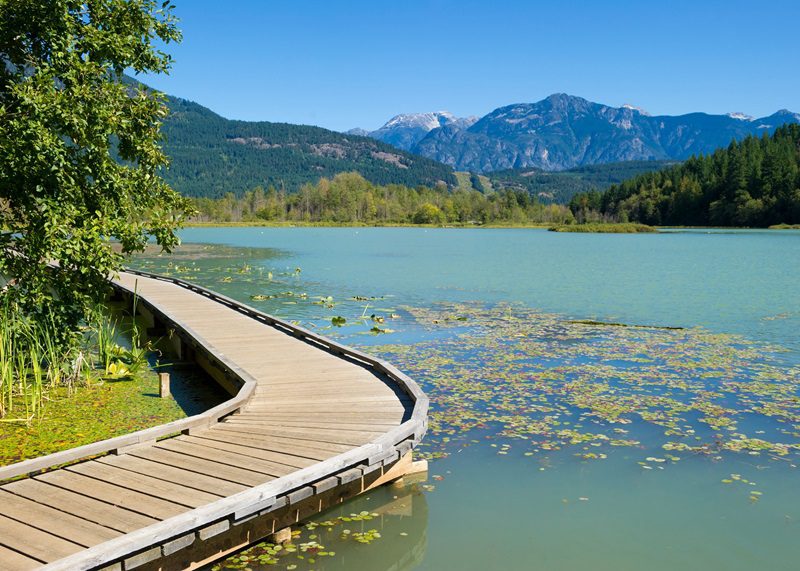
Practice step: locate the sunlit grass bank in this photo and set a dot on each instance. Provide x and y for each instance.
(98, 410)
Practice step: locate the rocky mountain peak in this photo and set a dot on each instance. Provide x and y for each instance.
(636, 109)
(405, 130)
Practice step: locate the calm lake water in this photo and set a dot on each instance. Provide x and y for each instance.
(556, 445)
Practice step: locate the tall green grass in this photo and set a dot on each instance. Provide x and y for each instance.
(31, 361)
(34, 359)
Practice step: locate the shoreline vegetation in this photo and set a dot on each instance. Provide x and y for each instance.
(599, 227)
(605, 228)
(331, 224)
(56, 396)
(348, 199)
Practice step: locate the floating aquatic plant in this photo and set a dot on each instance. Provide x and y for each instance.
(528, 376)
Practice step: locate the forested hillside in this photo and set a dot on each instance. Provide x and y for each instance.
(211, 156)
(561, 186)
(755, 182)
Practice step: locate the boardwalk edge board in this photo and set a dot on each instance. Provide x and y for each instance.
(377, 454)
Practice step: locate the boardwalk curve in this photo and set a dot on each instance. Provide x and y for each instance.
(310, 423)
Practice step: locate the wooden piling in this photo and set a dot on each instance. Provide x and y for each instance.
(163, 385)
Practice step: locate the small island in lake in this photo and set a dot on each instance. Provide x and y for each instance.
(605, 228)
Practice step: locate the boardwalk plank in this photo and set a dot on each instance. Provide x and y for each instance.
(267, 443)
(287, 443)
(53, 521)
(357, 410)
(378, 417)
(33, 542)
(294, 458)
(225, 457)
(297, 423)
(176, 493)
(90, 509)
(301, 398)
(212, 439)
(207, 467)
(112, 494)
(185, 478)
(315, 390)
(15, 561)
(349, 437)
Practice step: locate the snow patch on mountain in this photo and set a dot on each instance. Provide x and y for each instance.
(427, 121)
(405, 130)
(637, 109)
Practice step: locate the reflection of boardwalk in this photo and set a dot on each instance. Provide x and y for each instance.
(399, 514)
(314, 423)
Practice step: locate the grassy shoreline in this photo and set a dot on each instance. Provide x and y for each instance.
(95, 412)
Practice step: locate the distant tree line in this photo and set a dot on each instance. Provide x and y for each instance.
(348, 198)
(755, 182)
(561, 186)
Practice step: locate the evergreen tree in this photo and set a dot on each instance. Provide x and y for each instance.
(755, 182)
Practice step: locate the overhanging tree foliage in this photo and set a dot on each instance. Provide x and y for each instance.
(80, 155)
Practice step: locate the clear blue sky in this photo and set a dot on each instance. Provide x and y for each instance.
(342, 64)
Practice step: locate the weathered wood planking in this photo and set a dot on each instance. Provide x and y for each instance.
(305, 409)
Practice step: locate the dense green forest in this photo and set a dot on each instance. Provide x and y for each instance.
(211, 156)
(561, 186)
(349, 198)
(755, 182)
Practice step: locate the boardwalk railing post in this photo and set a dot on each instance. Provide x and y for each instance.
(163, 385)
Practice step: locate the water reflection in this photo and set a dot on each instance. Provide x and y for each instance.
(397, 512)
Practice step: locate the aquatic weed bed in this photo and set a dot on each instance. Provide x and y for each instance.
(545, 384)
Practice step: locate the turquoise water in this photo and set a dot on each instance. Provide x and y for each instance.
(744, 282)
(504, 494)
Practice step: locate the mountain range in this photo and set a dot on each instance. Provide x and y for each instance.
(564, 132)
(520, 146)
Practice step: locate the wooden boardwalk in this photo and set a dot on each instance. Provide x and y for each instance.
(308, 415)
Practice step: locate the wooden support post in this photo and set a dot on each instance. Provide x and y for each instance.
(418, 467)
(177, 344)
(282, 535)
(163, 385)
